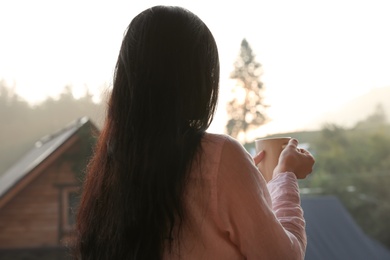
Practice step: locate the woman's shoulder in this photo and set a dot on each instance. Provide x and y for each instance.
(218, 138)
(223, 142)
(215, 138)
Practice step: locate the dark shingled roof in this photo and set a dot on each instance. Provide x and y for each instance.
(333, 234)
(42, 149)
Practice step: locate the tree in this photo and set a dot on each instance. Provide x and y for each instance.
(22, 124)
(375, 120)
(246, 110)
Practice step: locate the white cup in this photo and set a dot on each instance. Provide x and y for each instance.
(273, 147)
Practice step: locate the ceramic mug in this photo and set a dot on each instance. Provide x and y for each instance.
(273, 147)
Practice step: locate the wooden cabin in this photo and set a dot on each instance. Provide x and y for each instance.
(39, 194)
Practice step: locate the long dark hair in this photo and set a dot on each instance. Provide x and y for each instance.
(163, 99)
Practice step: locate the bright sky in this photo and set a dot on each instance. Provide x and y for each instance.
(316, 55)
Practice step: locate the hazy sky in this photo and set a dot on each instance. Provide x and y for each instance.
(316, 55)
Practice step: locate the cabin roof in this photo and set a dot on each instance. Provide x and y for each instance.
(333, 234)
(37, 154)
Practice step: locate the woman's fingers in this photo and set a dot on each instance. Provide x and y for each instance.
(293, 143)
(258, 157)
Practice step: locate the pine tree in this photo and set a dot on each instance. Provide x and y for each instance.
(246, 110)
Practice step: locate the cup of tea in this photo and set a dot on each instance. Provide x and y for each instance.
(272, 146)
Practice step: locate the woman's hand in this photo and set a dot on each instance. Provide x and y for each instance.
(296, 160)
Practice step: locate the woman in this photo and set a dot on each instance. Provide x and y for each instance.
(159, 186)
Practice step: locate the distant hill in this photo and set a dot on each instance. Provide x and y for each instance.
(347, 115)
(356, 110)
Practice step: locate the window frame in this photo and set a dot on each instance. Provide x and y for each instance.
(65, 207)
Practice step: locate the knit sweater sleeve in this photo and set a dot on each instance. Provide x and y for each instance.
(264, 221)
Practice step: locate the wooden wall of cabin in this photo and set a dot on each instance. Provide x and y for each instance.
(34, 217)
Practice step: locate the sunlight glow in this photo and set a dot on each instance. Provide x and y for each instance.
(315, 55)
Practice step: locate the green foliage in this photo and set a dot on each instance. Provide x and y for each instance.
(246, 110)
(23, 125)
(354, 165)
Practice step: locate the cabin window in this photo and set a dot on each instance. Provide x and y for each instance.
(70, 201)
(72, 206)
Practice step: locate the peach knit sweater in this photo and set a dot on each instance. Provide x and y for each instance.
(232, 213)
